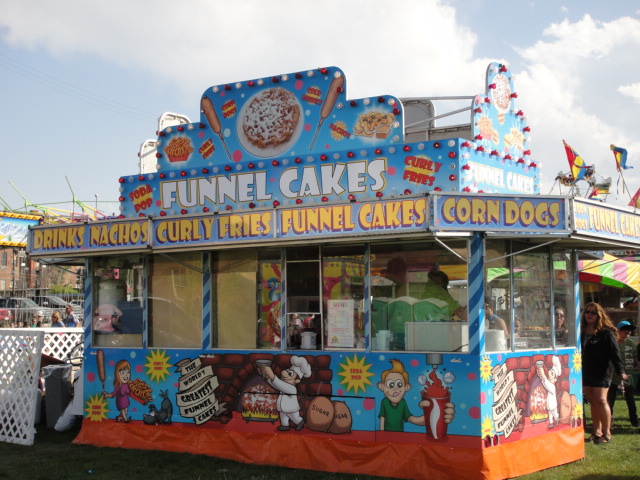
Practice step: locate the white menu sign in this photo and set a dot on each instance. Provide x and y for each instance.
(340, 323)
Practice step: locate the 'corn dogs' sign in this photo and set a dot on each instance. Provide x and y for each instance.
(491, 212)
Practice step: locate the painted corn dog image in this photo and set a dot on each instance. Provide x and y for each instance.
(206, 105)
(335, 88)
(100, 365)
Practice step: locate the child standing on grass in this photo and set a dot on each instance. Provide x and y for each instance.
(630, 360)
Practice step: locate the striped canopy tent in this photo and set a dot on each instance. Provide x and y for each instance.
(611, 271)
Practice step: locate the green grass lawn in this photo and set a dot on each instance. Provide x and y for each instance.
(54, 457)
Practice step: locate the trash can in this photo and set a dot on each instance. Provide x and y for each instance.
(37, 414)
(57, 388)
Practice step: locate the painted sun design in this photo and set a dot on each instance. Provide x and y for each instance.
(577, 361)
(96, 408)
(485, 369)
(487, 427)
(356, 374)
(158, 365)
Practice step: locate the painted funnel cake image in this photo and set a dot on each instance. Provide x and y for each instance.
(501, 95)
(270, 119)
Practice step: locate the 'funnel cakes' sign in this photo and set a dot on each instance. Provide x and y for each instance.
(296, 139)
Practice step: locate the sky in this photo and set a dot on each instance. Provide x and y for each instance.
(83, 82)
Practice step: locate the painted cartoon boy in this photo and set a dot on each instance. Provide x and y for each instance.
(287, 403)
(394, 411)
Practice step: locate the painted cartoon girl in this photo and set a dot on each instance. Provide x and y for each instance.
(121, 392)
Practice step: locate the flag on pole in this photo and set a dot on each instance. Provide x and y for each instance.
(576, 163)
(635, 201)
(621, 157)
(595, 194)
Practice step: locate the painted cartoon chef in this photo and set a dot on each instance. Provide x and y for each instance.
(548, 381)
(287, 403)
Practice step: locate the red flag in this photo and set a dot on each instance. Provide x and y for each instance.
(595, 194)
(635, 201)
(576, 163)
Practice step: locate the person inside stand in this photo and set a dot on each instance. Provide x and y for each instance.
(600, 356)
(437, 286)
(396, 271)
(70, 319)
(107, 318)
(629, 359)
(494, 322)
(562, 330)
(56, 321)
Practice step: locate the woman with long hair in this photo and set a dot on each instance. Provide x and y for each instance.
(56, 320)
(600, 356)
(121, 392)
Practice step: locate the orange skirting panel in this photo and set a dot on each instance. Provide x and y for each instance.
(534, 454)
(333, 454)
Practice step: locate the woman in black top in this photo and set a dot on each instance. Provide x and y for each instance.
(600, 355)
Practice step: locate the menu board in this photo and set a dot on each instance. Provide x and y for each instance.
(340, 323)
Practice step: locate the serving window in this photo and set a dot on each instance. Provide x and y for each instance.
(174, 300)
(419, 296)
(117, 319)
(531, 291)
(246, 298)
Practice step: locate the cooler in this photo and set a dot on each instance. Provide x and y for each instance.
(400, 312)
(379, 313)
(431, 310)
(437, 336)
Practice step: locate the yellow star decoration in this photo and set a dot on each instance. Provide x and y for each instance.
(340, 126)
(487, 427)
(356, 374)
(158, 365)
(577, 361)
(97, 408)
(485, 369)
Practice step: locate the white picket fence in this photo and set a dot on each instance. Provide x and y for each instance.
(58, 342)
(21, 351)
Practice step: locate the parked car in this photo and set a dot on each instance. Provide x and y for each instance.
(57, 303)
(23, 309)
(78, 304)
(6, 317)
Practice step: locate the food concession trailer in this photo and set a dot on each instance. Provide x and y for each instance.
(304, 278)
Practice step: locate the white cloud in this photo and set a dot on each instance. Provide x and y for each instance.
(578, 83)
(571, 79)
(404, 48)
(631, 90)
